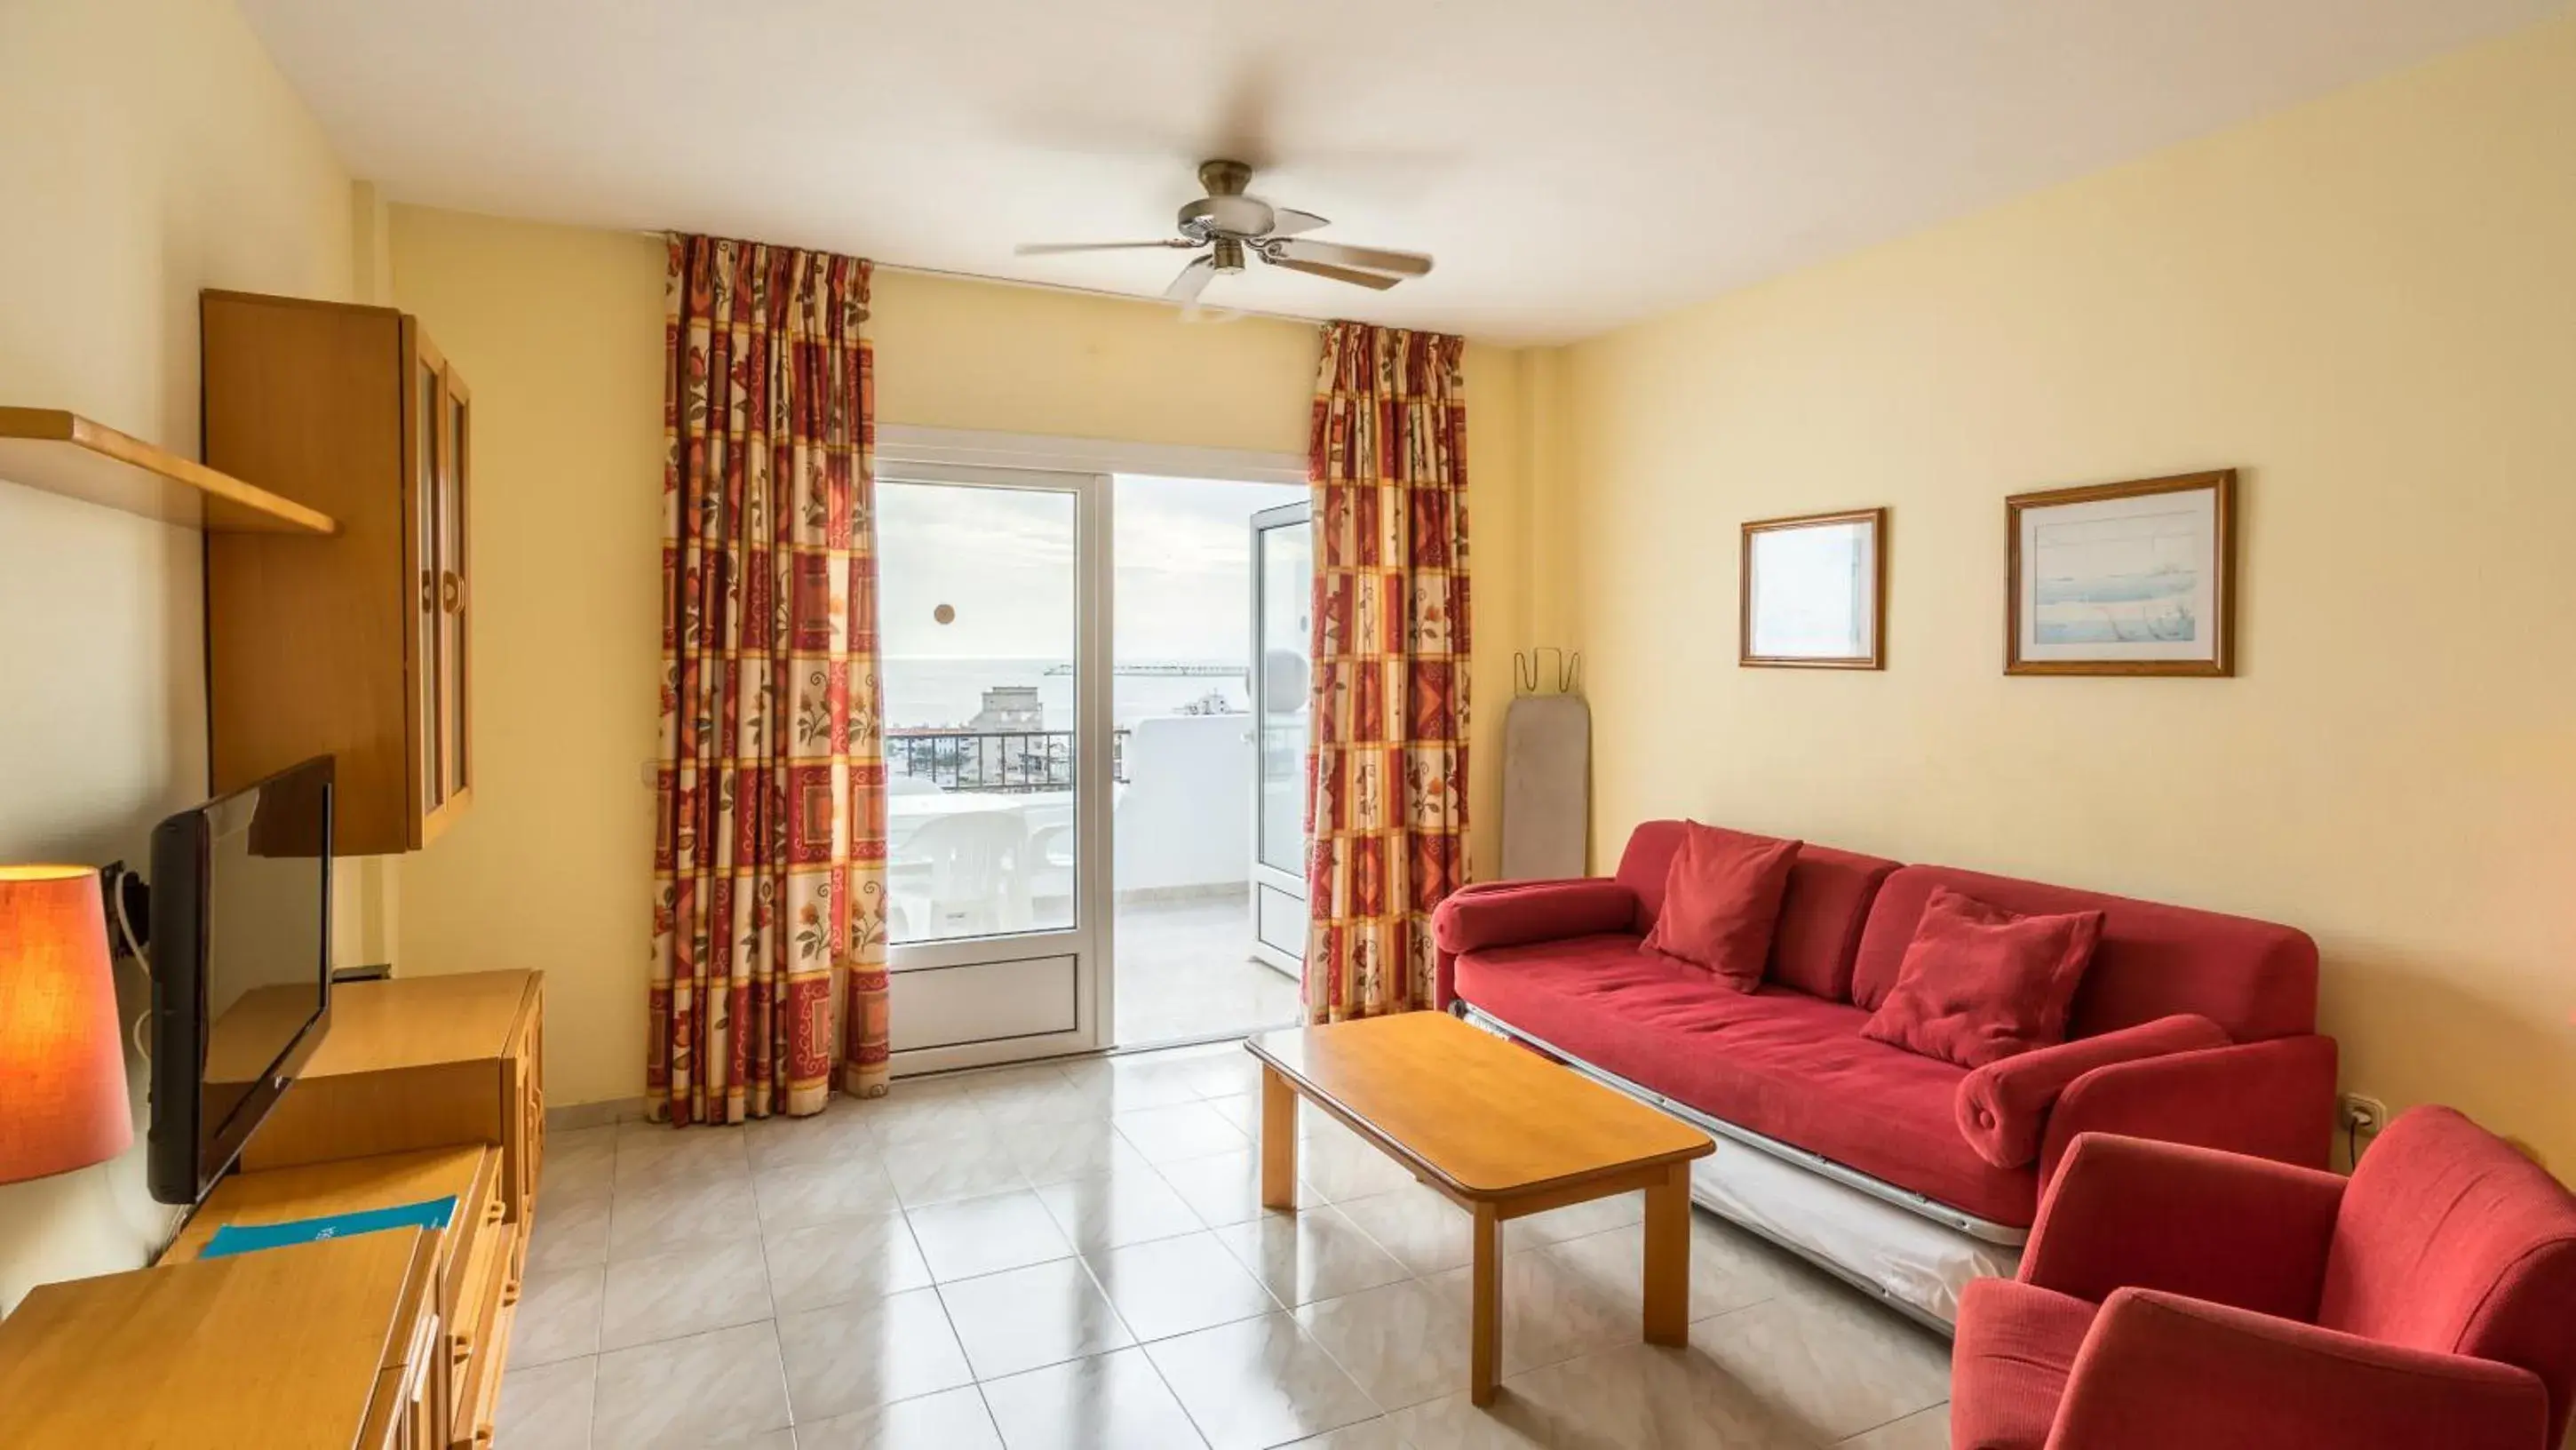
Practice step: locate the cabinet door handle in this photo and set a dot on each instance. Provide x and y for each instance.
(428, 592)
(451, 591)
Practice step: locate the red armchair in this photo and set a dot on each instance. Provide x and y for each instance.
(2179, 1296)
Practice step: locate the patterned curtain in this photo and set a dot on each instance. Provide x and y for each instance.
(769, 867)
(1386, 808)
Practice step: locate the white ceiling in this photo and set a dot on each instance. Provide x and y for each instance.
(1572, 165)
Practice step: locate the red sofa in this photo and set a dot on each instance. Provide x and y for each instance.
(2178, 1296)
(1562, 965)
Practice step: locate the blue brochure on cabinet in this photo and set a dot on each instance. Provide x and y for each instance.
(242, 1239)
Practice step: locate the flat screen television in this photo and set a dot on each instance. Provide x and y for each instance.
(241, 968)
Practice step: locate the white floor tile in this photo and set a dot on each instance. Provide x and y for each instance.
(1051, 1256)
(1112, 1400)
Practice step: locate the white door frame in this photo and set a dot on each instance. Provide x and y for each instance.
(1265, 876)
(912, 443)
(1087, 467)
(1088, 942)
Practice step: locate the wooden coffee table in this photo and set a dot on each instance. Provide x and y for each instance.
(1499, 1130)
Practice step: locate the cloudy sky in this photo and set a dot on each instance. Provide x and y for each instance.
(1003, 559)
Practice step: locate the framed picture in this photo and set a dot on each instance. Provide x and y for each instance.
(1815, 591)
(2123, 578)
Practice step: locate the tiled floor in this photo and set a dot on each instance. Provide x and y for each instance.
(1075, 1255)
(1185, 970)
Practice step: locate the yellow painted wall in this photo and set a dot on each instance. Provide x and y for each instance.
(147, 149)
(559, 330)
(559, 333)
(2368, 304)
(955, 353)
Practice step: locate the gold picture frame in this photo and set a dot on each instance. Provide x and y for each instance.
(2133, 578)
(1806, 581)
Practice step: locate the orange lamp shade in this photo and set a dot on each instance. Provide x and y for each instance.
(62, 1055)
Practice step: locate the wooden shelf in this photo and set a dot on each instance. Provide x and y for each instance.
(68, 454)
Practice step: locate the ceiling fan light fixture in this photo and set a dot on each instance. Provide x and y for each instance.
(1230, 224)
(1219, 216)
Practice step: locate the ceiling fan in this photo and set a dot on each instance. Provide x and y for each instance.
(1232, 225)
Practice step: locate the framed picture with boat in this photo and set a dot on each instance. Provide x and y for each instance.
(2123, 578)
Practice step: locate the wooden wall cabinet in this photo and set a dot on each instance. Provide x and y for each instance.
(355, 646)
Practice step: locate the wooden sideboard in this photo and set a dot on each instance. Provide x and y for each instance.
(324, 1346)
(425, 1088)
(422, 1062)
(473, 1282)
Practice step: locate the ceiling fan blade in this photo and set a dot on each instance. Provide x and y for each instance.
(1378, 281)
(1185, 288)
(1049, 249)
(1371, 259)
(1287, 221)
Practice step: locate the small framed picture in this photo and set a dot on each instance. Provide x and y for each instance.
(1815, 591)
(2123, 578)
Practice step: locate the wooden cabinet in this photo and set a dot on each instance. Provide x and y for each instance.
(451, 1384)
(424, 1088)
(438, 434)
(359, 645)
(411, 1396)
(420, 1075)
(322, 1346)
(423, 1062)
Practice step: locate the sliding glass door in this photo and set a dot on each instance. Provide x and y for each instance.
(1283, 594)
(993, 697)
(1092, 700)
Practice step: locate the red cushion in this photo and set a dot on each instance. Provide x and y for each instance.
(1721, 899)
(1821, 913)
(2010, 1363)
(1509, 913)
(2254, 978)
(2003, 1106)
(1981, 983)
(1781, 1063)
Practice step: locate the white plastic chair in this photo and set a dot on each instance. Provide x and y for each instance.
(972, 870)
(1050, 872)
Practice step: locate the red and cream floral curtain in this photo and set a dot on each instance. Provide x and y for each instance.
(769, 866)
(1386, 809)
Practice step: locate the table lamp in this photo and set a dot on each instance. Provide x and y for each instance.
(62, 1055)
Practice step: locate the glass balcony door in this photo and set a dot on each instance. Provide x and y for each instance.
(1283, 595)
(993, 701)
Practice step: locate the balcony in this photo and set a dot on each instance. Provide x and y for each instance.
(1000, 762)
(980, 828)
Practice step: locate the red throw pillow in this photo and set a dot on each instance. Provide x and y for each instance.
(1980, 983)
(1721, 899)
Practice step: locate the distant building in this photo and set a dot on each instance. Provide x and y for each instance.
(1010, 707)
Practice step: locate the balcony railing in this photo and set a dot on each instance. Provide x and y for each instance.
(1000, 762)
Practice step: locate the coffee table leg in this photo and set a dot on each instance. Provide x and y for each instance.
(1485, 1337)
(1668, 1258)
(1278, 1140)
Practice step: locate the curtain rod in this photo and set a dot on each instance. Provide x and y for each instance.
(658, 233)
